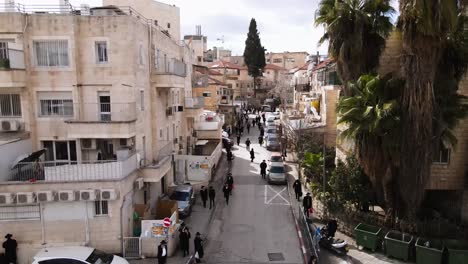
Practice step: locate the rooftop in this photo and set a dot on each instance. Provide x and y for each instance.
(274, 67)
(323, 64)
(225, 64)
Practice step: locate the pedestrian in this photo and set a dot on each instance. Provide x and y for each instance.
(297, 189)
(263, 167)
(226, 192)
(229, 156)
(229, 131)
(307, 204)
(162, 252)
(248, 127)
(183, 241)
(198, 242)
(260, 140)
(264, 118)
(252, 155)
(204, 195)
(211, 194)
(247, 143)
(230, 182)
(10, 247)
(253, 122)
(262, 131)
(238, 139)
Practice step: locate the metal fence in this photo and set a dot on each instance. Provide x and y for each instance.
(131, 247)
(57, 171)
(170, 66)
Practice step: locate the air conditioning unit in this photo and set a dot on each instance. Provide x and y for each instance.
(25, 198)
(6, 198)
(108, 194)
(87, 195)
(66, 196)
(139, 184)
(88, 143)
(44, 196)
(10, 125)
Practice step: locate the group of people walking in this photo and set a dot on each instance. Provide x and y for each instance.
(184, 240)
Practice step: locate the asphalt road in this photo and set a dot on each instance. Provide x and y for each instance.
(257, 226)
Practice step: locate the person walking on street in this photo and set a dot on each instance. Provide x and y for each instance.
(10, 247)
(248, 127)
(247, 143)
(238, 139)
(264, 118)
(229, 155)
(226, 192)
(183, 241)
(253, 122)
(204, 195)
(162, 252)
(307, 204)
(211, 194)
(230, 182)
(260, 140)
(263, 167)
(198, 242)
(297, 189)
(252, 155)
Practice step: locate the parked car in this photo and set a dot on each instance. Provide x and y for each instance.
(266, 108)
(270, 120)
(277, 173)
(272, 143)
(275, 158)
(271, 131)
(185, 197)
(75, 255)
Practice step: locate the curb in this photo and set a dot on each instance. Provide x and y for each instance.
(299, 233)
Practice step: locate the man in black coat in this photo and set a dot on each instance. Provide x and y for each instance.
(230, 182)
(226, 192)
(307, 204)
(297, 189)
(162, 253)
(204, 195)
(211, 194)
(238, 139)
(263, 167)
(198, 247)
(10, 247)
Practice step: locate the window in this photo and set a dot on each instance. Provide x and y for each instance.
(51, 53)
(142, 100)
(101, 208)
(3, 50)
(441, 154)
(101, 52)
(277, 60)
(168, 25)
(160, 133)
(60, 150)
(20, 212)
(56, 107)
(155, 22)
(10, 105)
(292, 60)
(268, 60)
(140, 55)
(206, 94)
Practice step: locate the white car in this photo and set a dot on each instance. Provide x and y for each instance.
(75, 255)
(277, 173)
(275, 158)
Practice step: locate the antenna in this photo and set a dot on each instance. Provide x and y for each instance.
(221, 39)
(198, 30)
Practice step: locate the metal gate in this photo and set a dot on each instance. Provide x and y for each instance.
(131, 247)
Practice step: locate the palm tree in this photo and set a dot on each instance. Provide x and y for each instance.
(372, 118)
(356, 31)
(426, 27)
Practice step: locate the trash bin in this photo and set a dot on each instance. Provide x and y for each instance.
(367, 236)
(398, 245)
(457, 251)
(429, 251)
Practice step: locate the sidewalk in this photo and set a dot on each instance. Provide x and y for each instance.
(354, 255)
(198, 221)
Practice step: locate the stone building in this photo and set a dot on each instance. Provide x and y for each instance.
(288, 60)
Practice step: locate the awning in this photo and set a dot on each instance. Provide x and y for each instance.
(28, 158)
(201, 142)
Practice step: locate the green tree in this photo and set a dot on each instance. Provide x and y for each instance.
(427, 29)
(356, 31)
(372, 120)
(254, 53)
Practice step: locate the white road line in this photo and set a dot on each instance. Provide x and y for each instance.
(303, 250)
(265, 194)
(278, 194)
(299, 233)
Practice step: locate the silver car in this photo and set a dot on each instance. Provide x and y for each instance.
(277, 173)
(272, 143)
(185, 198)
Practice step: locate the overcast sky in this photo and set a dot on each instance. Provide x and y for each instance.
(283, 25)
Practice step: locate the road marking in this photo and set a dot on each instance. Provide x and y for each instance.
(299, 233)
(303, 250)
(277, 194)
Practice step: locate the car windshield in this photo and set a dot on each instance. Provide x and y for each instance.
(271, 131)
(99, 257)
(276, 159)
(273, 140)
(277, 170)
(180, 196)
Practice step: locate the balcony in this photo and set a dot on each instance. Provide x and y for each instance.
(73, 171)
(194, 106)
(103, 120)
(12, 68)
(161, 164)
(169, 73)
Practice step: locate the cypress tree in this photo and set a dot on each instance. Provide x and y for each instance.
(254, 53)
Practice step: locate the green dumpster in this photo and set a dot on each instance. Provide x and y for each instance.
(367, 236)
(429, 251)
(457, 251)
(398, 245)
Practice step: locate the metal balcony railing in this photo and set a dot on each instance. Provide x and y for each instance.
(11, 56)
(105, 112)
(73, 171)
(170, 66)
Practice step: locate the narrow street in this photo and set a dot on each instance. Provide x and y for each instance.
(257, 225)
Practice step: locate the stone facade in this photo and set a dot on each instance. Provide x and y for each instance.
(288, 60)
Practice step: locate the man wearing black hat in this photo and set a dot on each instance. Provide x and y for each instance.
(307, 204)
(10, 246)
(162, 253)
(198, 248)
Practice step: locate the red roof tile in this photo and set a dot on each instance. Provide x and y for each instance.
(225, 64)
(323, 64)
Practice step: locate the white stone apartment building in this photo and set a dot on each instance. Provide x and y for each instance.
(102, 99)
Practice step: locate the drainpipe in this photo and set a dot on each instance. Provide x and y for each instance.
(41, 210)
(121, 224)
(86, 225)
